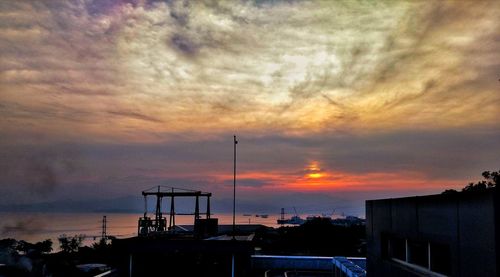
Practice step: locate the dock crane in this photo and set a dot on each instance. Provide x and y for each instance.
(158, 225)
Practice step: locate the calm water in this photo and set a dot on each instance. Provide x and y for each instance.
(34, 227)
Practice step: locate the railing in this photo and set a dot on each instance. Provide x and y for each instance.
(339, 266)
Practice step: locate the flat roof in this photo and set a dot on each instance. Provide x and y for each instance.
(453, 195)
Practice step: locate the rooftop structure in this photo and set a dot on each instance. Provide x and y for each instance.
(158, 225)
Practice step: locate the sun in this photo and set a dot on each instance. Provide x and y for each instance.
(314, 171)
(315, 175)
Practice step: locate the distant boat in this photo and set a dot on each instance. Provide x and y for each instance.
(349, 221)
(247, 215)
(262, 215)
(314, 217)
(294, 220)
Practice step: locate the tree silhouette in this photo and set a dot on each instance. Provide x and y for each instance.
(39, 247)
(70, 244)
(491, 180)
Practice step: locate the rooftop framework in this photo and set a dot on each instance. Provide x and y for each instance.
(159, 223)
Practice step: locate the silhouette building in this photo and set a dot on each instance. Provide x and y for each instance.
(453, 234)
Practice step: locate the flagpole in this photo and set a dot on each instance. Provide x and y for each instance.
(234, 202)
(234, 188)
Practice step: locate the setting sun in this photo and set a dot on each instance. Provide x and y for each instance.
(314, 171)
(315, 175)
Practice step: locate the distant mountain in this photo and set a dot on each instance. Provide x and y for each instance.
(304, 203)
(132, 204)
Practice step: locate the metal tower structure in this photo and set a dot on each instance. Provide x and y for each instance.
(148, 225)
(104, 227)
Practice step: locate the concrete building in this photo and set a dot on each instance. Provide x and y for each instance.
(437, 235)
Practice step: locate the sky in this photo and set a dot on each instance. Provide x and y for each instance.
(333, 102)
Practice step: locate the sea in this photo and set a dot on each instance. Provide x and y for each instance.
(34, 227)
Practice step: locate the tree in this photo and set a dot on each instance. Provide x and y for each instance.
(8, 252)
(39, 247)
(8, 244)
(70, 244)
(44, 246)
(449, 191)
(491, 180)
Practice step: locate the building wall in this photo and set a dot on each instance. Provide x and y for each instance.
(463, 224)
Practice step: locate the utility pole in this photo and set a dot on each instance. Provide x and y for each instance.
(234, 188)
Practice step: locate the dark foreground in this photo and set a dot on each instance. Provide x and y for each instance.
(184, 255)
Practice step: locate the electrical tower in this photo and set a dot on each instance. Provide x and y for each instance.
(103, 233)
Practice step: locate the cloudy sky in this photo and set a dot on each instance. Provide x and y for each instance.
(334, 100)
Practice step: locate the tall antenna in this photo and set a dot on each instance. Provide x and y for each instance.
(234, 188)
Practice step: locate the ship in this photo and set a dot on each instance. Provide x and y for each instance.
(294, 220)
(317, 217)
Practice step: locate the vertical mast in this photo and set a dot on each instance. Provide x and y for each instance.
(234, 187)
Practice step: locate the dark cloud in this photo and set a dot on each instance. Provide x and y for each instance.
(249, 182)
(134, 115)
(49, 111)
(179, 11)
(439, 154)
(103, 7)
(183, 44)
